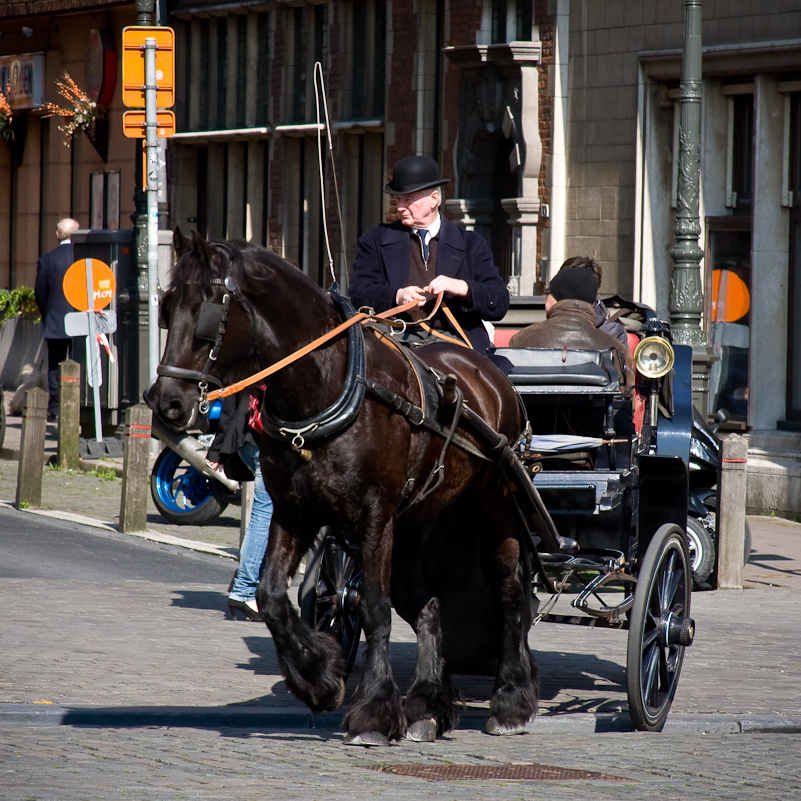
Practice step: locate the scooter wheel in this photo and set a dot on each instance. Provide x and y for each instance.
(702, 551)
(182, 494)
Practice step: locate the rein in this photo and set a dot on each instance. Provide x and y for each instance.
(359, 317)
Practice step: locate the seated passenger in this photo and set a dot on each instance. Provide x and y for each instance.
(613, 327)
(571, 321)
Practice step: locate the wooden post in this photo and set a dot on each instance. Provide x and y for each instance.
(136, 469)
(69, 415)
(31, 450)
(731, 511)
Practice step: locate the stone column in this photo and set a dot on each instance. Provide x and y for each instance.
(524, 214)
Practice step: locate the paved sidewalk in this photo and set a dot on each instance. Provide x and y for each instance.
(140, 653)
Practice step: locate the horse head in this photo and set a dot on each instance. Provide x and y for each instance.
(231, 309)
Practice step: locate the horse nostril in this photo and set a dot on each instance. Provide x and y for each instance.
(173, 410)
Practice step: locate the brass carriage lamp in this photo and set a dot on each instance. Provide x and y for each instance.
(654, 357)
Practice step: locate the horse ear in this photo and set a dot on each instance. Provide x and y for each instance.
(201, 247)
(179, 242)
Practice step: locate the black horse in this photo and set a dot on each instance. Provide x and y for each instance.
(432, 518)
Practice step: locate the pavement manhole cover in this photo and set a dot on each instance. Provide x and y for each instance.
(442, 773)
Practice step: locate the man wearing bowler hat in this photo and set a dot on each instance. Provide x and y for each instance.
(423, 254)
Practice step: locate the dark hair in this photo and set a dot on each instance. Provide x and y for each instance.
(587, 262)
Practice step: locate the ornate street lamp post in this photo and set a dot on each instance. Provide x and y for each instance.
(686, 295)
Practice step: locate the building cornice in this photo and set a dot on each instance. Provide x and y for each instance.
(727, 60)
(12, 9)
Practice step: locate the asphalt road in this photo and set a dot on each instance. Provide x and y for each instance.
(35, 547)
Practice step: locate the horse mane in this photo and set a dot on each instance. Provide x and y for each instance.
(253, 266)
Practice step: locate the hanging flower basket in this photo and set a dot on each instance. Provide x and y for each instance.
(6, 120)
(80, 114)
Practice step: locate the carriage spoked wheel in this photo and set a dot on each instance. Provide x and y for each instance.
(660, 628)
(330, 595)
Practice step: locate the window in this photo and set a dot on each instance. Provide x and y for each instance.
(369, 53)
(794, 294)
(728, 311)
(740, 177)
(511, 21)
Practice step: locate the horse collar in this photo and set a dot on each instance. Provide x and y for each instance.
(344, 410)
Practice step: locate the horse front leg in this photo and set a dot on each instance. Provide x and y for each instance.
(376, 716)
(516, 692)
(311, 661)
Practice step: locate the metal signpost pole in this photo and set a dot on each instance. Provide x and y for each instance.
(93, 368)
(152, 160)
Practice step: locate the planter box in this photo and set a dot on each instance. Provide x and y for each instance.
(21, 343)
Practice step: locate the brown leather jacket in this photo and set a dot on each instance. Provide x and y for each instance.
(571, 324)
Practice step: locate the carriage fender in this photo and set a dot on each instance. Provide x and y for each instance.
(663, 493)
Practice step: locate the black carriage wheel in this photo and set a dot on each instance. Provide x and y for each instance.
(329, 596)
(660, 628)
(702, 551)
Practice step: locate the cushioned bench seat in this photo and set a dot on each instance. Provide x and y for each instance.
(561, 371)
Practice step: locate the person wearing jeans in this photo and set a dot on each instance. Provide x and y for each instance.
(253, 550)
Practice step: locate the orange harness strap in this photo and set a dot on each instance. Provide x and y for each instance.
(298, 354)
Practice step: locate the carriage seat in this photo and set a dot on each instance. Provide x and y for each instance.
(561, 371)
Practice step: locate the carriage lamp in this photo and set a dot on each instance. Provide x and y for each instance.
(654, 357)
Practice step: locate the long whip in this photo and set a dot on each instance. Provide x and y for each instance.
(319, 94)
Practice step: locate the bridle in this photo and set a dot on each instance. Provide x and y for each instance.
(210, 326)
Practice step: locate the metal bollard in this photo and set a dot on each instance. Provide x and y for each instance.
(69, 415)
(136, 469)
(32, 445)
(731, 511)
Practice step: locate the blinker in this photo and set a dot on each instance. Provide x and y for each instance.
(209, 319)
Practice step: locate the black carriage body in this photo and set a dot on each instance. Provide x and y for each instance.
(605, 484)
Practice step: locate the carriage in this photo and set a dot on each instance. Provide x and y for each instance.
(456, 494)
(613, 479)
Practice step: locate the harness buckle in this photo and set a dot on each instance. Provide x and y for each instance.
(203, 404)
(416, 415)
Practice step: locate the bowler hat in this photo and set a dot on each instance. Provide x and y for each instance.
(414, 173)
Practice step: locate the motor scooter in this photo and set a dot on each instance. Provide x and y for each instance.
(184, 487)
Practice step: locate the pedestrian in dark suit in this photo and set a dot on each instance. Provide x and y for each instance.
(423, 254)
(53, 305)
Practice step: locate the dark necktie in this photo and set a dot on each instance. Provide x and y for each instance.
(423, 234)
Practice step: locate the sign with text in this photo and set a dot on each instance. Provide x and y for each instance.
(22, 80)
(89, 273)
(133, 65)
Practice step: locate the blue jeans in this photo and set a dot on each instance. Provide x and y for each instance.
(253, 552)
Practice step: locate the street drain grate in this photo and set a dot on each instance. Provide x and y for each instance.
(444, 773)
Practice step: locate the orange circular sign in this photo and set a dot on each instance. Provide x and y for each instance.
(730, 297)
(103, 285)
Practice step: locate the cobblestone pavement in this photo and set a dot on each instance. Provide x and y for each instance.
(167, 676)
(161, 764)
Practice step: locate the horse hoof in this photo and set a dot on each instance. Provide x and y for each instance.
(495, 728)
(423, 731)
(367, 739)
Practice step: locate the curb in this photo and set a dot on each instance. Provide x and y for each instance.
(257, 717)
